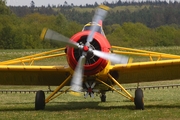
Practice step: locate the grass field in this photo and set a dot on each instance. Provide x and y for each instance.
(160, 104)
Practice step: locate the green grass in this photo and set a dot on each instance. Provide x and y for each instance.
(160, 104)
(12, 54)
(170, 50)
(15, 53)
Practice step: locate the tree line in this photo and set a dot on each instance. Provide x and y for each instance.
(151, 13)
(22, 32)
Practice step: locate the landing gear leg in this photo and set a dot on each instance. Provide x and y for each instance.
(138, 100)
(40, 100)
(103, 97)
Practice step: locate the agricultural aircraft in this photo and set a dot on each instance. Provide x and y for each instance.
(94, 66)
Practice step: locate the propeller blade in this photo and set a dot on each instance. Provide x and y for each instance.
(87, 85)
(114, 58)
(76, 83)
(100, 14)
(86, 95)
(50, 34)
(93, 85)
(92, 95)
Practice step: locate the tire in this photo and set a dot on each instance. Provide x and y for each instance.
(40, 100)
(103, 98)
(138, 100)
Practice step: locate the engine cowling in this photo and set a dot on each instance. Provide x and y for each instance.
(93, 64)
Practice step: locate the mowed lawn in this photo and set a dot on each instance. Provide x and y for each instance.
(160, 104)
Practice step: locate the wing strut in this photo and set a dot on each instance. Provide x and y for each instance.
(125, 93)
(52, 95)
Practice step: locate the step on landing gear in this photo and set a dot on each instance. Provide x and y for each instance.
(40, 100)
(138, 100)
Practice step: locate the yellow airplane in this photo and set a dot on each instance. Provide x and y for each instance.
(94, 66)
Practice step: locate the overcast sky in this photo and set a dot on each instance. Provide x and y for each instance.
(53, 2)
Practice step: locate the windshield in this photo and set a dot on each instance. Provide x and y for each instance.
(98, 28)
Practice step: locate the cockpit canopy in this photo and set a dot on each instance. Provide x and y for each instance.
(98, 27)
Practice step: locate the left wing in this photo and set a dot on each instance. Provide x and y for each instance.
(33, 75)
(148, 71)
(166, 67)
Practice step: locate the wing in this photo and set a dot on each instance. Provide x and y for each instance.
(162, 69)
(148, 71)
(12, 72)
(32, 75)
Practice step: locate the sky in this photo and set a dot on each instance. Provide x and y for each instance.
(53, 2)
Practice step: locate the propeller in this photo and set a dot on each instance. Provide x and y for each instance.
(90, 89)
(77, 79)
(76, 83)
(100, 14)
(114, 58)
(52, 35)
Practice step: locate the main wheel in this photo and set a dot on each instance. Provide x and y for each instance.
(138, 100)
(103, 97)
(40, 100)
